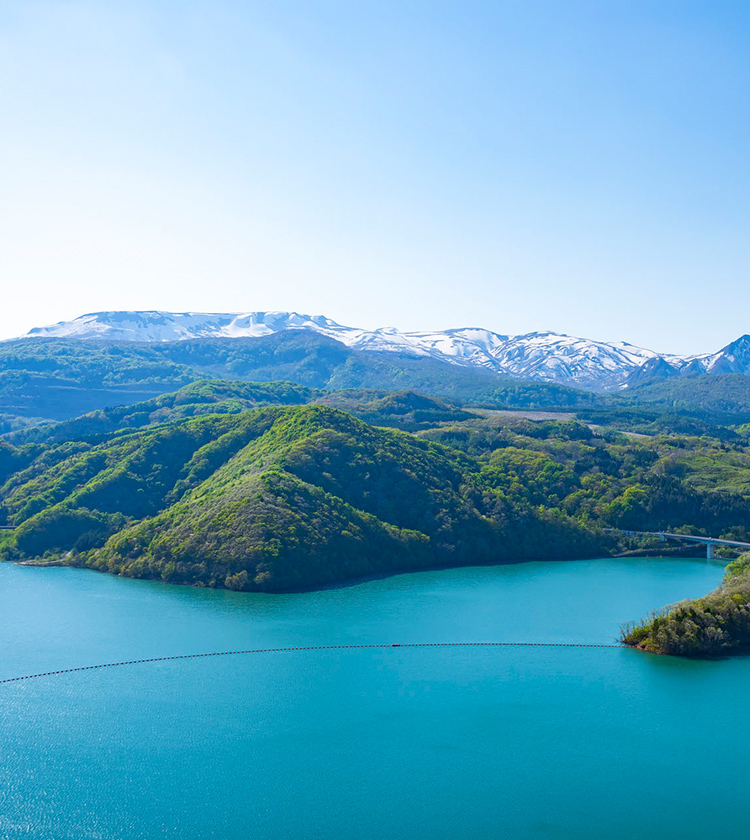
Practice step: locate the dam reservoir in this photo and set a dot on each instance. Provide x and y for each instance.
(397, 742)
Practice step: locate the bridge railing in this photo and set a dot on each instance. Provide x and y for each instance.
(709, 542)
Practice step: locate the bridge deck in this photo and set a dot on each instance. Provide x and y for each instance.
(709, 542)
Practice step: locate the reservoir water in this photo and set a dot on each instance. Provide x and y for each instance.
(435, 743)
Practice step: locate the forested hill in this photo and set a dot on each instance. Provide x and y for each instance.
(399, 409)
(716, 625)
(273, 499)
(211, 396)
(717, 394)
(200, 486)
(60, 379)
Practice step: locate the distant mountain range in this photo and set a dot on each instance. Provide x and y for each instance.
(545, 356)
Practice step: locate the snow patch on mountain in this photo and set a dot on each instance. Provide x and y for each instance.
(547, 356)
(178, 326)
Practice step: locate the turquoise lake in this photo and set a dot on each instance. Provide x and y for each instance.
(436, 743)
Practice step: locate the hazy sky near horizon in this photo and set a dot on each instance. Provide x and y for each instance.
(575, 166)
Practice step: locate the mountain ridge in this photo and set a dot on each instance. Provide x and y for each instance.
(58, 379)
(546, 356)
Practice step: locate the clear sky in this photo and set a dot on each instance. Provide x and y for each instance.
(576, 166)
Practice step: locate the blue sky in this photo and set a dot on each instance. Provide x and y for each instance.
(575, 166)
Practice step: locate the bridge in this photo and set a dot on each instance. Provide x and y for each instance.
(709, 542)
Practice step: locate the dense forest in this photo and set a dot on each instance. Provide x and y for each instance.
(269, 499)
(398, 409)
(277, 486)
(59, 379)
(715, 625)
(56, 379)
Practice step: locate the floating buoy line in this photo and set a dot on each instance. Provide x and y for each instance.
(302, 648)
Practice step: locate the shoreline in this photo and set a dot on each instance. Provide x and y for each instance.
(356, 581)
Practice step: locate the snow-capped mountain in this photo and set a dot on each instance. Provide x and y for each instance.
(734, 358)
(179, 326)
(539, 355)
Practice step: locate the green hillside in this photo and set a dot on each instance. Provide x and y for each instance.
(273, 499)
(60, 379)
(405, 410)
(716, 394)
(212, 396)
(605, 478)
(398, 409)
(231, 484)
(715, 625)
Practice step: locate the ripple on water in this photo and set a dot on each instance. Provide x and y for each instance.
(400, 742)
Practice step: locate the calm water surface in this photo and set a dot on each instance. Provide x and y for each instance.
(522, 743)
